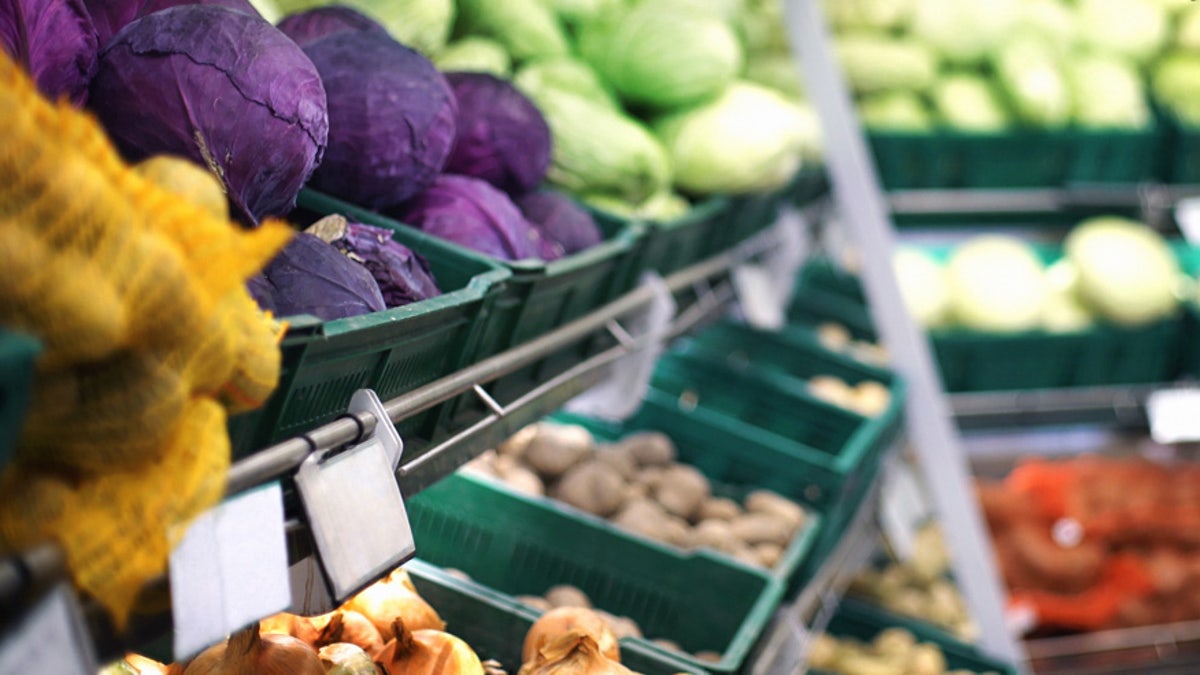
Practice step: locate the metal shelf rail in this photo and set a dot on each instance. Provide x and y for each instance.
(24, 576)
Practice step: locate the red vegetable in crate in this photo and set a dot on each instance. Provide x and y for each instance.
(223, 88)
(502, 136)
(391, 119)
(55, 40)
(321, 22)
(110, 16)
(561, 220)
(402, 275)
(311, 277)
(473, 213)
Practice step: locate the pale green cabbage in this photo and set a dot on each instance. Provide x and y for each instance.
(875, 62)
(923, 286)
(1187, 31)
(423, 25)
(996, 283)
(873, 14)
(528, 29)
(1126, 271)
(969, 103)
(657, 56)
(474, 54)
(1136, 29)
(964, 31)
(777, 71)
(749, 139)
(1176, 84)
(1030, 74)
(1107, 92)
(894, 111)
(660, 207)
(565, 73)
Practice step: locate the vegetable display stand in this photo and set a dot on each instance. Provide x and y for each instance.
(17, 355)
(671, 245)
(535, 298)
(1181, 156)
(700, 601)
(862, 622)
(752, 213)
(806, 449)
(1029, 158)
(392, 352)
(495, 626)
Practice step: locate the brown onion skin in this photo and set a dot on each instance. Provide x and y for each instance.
(248, 652)
(574, 652)
(394, 598)
(426, 652)
(352, 627)
(562, 620)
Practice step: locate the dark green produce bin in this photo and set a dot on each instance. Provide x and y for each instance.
(862, 622)
(671, 245)
(18, 352)
(494, 625)
(534, 299)
(392, 352)
(699, 600)
(1181, 150)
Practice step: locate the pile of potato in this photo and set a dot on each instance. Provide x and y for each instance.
(894, 651)
(919, 587)
(837, 338)
(637, 484)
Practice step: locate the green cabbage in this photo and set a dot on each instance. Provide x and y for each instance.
(565, 73)
(1126, 271)
(1107, 92)
(873, 14)
(528, 29)
(777, 71)
(423, 25)
(1187, 30)
(726, 10)
(1133, 28)
(1176, 84)
(1030, 74)
(654, 55)
(922, 283)
(968, 102)
(1064, 312)
(996, 283)
(659, 207)
(576, 12)
(1051, 21)
(875, 62)
(894, 111)
(749, 139)
(474, 54)
(760, 25)
(598, 149)
(269, 9)
(964, 31)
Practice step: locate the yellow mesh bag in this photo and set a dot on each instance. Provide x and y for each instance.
(115, 528)
(60, 296)
(256, 372)
(104, 415)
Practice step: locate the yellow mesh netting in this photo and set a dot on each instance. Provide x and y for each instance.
(138, 297)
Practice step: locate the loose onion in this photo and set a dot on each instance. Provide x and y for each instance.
(574, 652)
(426, 652)
(343, 658)
(279, 624)
(145, 666)
(394, 597)
(249, 652)
(562, 620)
(352, 627)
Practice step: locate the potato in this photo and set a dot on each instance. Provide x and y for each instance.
(649, 448)
(765, 501)
(621, 626)
(636, 491)
(870, 398)
(619, 458)
(768, 554)
(681, 490)
(833, 336)
(518, 476)
(930, 558)
(718, 508)
(515, 445)
(831, 390)
(565, 595)
(642, 516)
(823, 652)
(555, 448)
(592, 486)
(537, 602)
(715, 534)
(926, 659)
(894, 643)
(761, 528)
(483, 465)
(855, 663)
(743, 553)
(649, 476)
(909, 602)
(675, 531)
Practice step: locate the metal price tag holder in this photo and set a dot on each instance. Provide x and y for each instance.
(50, 638)
(354, 508)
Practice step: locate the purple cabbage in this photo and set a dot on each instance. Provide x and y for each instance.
(474, 214)
(223, 88)
(391, 119)
(403, 276)
(311, 277)
(55, 41)
(307, 27)
(502, 136)
(561, 220)
(110, 16)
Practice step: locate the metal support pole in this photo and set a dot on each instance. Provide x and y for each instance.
(861, 201)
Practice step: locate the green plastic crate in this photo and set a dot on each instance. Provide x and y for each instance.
(794, 556)
(18, 352)
(862, 621)
(1180, 161)
(392, 352)
(536, 298)
(495, 625)
(517, 547)
(1027, 158)
(750, 214)
(1189, 351)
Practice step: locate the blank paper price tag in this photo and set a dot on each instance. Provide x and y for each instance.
(1187, 215)
(903, 508)
(230, 569)
(49, 639)
(356, 515)
(1174, 415)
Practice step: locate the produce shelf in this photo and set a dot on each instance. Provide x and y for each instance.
(1122, 406)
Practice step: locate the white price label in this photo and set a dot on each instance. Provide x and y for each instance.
(903, 508)
(229, 569)
(356, 515)
(50, 638)
(1174, 415)
(1187, 216)
(619, 395)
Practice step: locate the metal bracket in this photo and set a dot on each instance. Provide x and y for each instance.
(384, 433)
